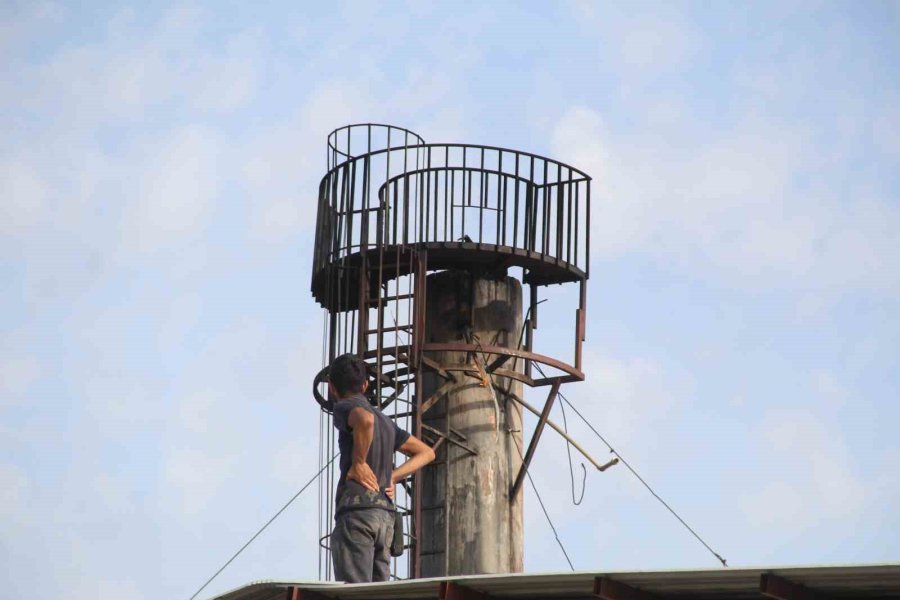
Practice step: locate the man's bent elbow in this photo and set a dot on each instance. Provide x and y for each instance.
(429, 454)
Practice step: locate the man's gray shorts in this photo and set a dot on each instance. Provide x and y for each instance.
(361, 545)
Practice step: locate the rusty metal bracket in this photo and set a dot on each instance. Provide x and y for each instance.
(450, 590)
(779, 588)
(439, 393)
(434, 366)
(513, 396)
(296, 593)
(535, 438)
(609, 589)
(441, 435)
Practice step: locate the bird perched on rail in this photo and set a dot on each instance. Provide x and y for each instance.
(466, 239)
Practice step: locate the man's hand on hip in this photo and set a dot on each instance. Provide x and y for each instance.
(363, 474)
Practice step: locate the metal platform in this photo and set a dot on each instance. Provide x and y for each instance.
(870, 582)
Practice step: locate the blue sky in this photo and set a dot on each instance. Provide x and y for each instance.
(158, 171)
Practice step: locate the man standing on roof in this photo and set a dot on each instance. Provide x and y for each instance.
(364, 511)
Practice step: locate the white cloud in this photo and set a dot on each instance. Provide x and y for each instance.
(17, 374)
(626, 399)
(173, 197)
(642, 40)
(132, 69)
(193, 477)
(287, 162)
(110, 494)
(295, 460)
(809, 478)
(652, 42)
(228, 82)
(24, 203)
(182, 316)
(729, 205)
(195, 412)
(107, 587)
(14, 488)
(626, 395)
(829, 391)
(886, 128)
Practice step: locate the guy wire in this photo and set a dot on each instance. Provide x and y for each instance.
(635, 473)
(541, 502)
(263, 528)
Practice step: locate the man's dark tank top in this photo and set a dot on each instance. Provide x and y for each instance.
(386, 439)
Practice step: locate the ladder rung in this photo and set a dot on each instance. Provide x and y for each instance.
(391, 361)
(390, 298)
(385, 329)
(402, 415)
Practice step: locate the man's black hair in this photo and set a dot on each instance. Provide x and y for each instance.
(348, 374)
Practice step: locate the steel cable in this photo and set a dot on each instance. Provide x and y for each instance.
(541, 502)
(263, 528)
(635, 473)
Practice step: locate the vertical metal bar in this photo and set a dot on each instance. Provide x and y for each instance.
(560, 214)
(396, 211)
(569, 220)
(462, 186)
(415, 363)
(516, 207)
(580, 322)
(343, 273)
(363, 325)
(420, 207)
(447, 200)
(532, 209)
(469, 187)
(577, 218)
(452, 201)
(545, 214)
(427, 195)
(530, 324)
(587, 232)
(405, 210)
(388, 201)
(446, 499)
(437, 196)
(501, 197)
(501, 215)
(482, 194)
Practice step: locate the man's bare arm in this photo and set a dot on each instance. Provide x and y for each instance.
(419, 453)
(362, 422)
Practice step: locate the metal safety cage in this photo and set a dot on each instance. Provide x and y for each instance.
(392, 209)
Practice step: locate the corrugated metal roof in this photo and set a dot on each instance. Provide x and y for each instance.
(855, 581)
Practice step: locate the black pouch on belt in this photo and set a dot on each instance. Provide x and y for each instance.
(397, 542)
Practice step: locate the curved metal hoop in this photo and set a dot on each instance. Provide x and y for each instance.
(343, 140)
(571, 373)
